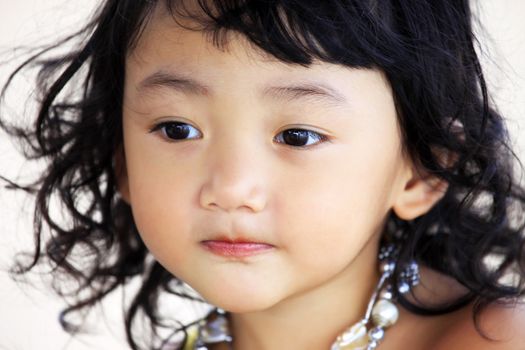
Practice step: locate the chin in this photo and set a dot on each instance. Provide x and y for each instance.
(241, 301)
(241, 307)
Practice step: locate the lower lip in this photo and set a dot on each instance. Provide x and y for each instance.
(236, 249)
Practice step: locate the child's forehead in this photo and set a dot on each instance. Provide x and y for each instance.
(178, 21)
(168, 52)
(171, 43)
(164, 41)
(270, 32)
(184, 31)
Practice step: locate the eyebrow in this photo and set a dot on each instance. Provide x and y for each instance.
(306, 90)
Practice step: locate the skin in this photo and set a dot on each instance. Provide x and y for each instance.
(321, 207)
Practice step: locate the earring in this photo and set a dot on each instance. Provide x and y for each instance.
(409, 277)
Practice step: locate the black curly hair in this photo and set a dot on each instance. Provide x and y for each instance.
(427, 50)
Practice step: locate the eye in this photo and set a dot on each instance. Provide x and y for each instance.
(176, 130)
(300, 137)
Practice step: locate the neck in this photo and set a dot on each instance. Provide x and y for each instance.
(313, 319)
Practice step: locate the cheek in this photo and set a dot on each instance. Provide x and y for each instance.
(159, 195)
(337, 206)
(161, 219)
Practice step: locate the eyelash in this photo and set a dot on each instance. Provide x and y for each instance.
(162, 127)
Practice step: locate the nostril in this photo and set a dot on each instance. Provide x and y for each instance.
(231, 199)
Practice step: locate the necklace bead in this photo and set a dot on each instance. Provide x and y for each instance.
(384, 313)
(353, 338)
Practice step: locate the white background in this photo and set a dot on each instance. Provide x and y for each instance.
(28, 316)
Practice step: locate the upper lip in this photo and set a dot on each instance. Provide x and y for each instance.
(234, 231)
(223, 238)
(233, 240)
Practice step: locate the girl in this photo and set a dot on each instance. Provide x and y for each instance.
(316, 171)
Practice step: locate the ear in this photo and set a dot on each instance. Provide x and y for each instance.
(419, 196)
(421, 191)
(121, 174)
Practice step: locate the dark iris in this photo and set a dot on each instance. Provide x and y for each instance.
(293, 137)
(177, 131)
(296, 137)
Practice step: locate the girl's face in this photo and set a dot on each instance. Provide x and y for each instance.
(234, 145)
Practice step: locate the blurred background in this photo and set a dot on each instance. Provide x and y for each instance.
(29, 315)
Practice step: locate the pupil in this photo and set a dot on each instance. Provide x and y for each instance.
(296, 137)
(177, 131)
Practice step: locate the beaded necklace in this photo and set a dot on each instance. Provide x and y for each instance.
(366, 334)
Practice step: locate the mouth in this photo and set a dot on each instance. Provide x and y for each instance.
(236, 248)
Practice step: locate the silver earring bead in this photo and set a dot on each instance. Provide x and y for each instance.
(376, 334)
(372, 345)
(214, 330)
(387, 265)
(386, 293)
(409, 277)
(387, 252)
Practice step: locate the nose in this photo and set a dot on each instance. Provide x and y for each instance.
(235, 181)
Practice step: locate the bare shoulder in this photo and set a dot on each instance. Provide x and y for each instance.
(502, 324)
